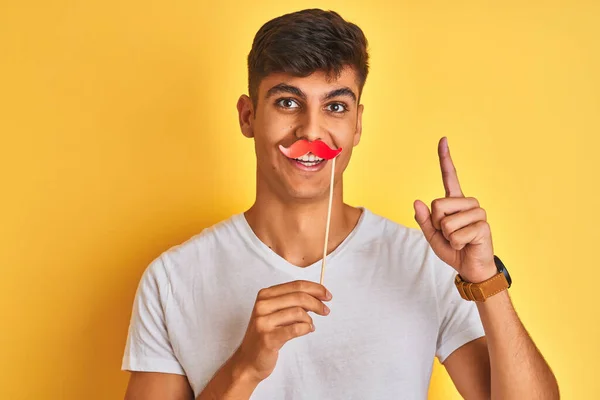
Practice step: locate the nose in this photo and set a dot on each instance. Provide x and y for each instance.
(311, 126)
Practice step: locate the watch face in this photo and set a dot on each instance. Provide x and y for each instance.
(502, 268)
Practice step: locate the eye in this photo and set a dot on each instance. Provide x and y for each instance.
(337, 108)
(287, 103)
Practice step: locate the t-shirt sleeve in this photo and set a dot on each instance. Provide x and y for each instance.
(148, 347)
(459, 321)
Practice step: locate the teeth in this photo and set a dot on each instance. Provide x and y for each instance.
(309, 158)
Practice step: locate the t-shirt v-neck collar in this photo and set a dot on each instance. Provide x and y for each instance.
(275, 260)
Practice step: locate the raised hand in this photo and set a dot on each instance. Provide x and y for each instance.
(457, 228)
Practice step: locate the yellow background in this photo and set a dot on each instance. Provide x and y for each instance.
(120, 139)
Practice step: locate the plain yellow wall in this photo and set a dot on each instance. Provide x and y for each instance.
(120, 139)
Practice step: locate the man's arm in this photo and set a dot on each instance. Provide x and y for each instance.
(505, 364)
(459, 234)
(229, 382)
(158, 386)
(469, 368)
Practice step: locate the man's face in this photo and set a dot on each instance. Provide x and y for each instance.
(290, 108)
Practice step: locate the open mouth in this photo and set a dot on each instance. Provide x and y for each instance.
(309, 160)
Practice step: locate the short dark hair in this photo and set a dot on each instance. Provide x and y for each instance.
(303, 42)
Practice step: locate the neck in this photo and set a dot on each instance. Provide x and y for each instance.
(295, 230)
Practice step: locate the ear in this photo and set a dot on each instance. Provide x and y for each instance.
(245, 115)
(358, 132)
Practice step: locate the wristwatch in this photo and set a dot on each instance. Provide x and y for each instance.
(483, 290)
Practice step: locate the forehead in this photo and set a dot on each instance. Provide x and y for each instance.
(314, 84)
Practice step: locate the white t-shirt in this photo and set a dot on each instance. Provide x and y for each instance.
(394, 309)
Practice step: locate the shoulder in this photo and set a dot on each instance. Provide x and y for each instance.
(183, 259)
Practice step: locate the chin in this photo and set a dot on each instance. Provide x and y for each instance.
(294, 187)
(307, 192)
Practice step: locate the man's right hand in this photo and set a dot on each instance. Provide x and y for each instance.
(280, 314)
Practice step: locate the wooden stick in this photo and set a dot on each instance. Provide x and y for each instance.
(328, 220)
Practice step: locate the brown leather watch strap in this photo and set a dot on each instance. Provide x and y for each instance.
(483, 290)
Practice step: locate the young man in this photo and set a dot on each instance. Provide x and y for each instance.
(236, 311)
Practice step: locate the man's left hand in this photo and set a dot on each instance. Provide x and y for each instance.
(457, 229)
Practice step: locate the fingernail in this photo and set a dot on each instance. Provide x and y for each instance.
(326, 309)
(312, 328)
(328, 294)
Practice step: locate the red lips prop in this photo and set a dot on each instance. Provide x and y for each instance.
(303, 147)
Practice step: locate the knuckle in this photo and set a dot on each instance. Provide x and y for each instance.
(445, 223)
(298, 285)
(300, 297)
(298, 312)
(453, 241)
(262, 293)
(486, 226)
(260, 307)
(297, 329)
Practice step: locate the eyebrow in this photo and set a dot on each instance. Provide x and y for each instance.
(285, 88)
(345, 91)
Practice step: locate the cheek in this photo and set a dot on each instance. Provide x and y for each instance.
(266, 139)
(344, 136)
(343, 133)
(274, 129)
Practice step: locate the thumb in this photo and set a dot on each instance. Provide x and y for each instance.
(423, 218)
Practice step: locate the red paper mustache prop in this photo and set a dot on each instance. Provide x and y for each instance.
(303, 147)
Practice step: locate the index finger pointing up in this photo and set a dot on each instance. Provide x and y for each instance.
(449, 175)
